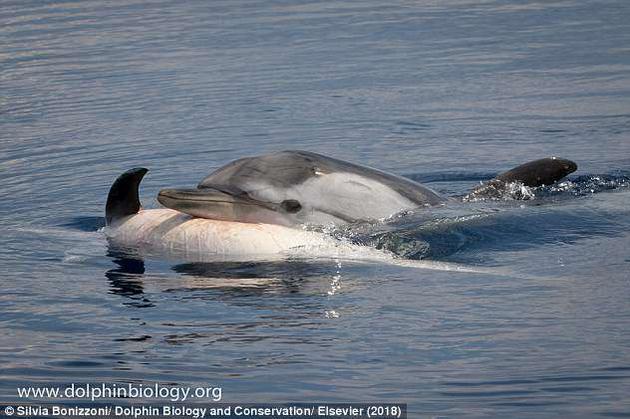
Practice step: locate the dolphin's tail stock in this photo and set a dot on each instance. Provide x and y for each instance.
(532, 174)
(123, 195)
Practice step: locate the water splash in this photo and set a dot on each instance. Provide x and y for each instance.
(578, 186)
(501, 191)
(480, 219)
(587, 185)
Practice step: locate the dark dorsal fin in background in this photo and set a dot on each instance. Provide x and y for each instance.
(535, 173)
(539, 172)
(123, 195)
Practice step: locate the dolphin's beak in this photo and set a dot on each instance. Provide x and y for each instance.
(214, 203)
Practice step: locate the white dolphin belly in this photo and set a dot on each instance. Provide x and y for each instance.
(199, 238)
(178, 235)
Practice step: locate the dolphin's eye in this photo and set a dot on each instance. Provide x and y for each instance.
(291, 206)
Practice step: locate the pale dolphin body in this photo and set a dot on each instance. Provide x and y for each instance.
(174, 235)
(199, 239)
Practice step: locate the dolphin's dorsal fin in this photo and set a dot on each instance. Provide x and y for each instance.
(539, 172)
(535, 173)
(122, 199)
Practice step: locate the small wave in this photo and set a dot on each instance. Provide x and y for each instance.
(587, 185)
(578, 186)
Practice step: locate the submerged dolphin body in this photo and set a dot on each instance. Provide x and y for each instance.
(298, 187)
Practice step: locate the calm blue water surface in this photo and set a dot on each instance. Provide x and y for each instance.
(445, 92)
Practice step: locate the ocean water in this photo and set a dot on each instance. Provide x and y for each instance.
(446, 92)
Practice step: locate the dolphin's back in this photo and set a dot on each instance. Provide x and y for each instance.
(288, 169)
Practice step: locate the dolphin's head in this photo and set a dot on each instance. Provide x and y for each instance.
(230, 204)
(298, 188)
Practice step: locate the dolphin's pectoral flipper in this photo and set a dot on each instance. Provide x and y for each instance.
(122, 199)
(533, 174)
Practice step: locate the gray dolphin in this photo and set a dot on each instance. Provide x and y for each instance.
(300, 187)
